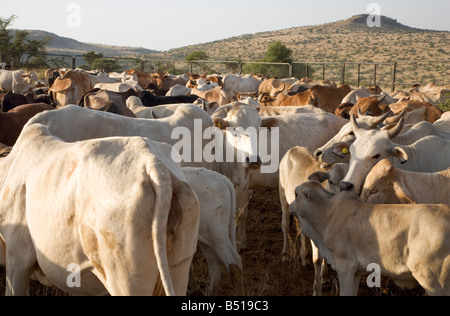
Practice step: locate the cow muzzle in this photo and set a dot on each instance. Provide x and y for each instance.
(346, 186)
(254, 162)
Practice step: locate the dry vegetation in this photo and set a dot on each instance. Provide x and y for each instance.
(350, 40)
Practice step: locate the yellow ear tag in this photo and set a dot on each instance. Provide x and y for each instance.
(219, 125)
(345, 151)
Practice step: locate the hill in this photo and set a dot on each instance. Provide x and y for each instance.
(68, 46)
(347, 40)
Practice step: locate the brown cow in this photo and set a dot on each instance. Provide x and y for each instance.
(12, 123)
(299, 99)
(108, 101)
(370, 106)
(329, 98)
(428, 111)
(70, 88)
(164, 81)
(144, 79)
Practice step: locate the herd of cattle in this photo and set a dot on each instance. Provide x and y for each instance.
(88, 178)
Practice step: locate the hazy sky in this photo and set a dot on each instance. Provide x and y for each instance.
(163, 25)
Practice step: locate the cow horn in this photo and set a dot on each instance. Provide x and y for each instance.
(355, 125)
(380, 119)
(395, 118)
(381, 99)
(394, 132)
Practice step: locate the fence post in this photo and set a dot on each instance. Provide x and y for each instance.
(375, 74)
(74, 62)
(394, 76)
(290, 70)
(323, 71)
(359, 75)
(343, 74)
(142, 65)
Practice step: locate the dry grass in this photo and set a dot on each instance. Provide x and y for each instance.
(344, 41)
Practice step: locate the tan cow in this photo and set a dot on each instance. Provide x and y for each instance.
(69, 211)
(215, 95)
(427, 111)
(165, 81)
(386, 184)
(70, 88)
(295, 168)
(273, 87)
(430, 93)
(409, 243)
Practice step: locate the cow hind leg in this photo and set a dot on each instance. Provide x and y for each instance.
(285, 226)
(214, 268)
(242, 200)
(18, 275)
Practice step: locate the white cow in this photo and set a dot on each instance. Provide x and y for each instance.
(409, 243)
(190, 130)
(119, 86)
(217, 236)
(17, 81)
(443, 124)
(429, 154)
(234, 84)
(337, 150)
(310, 130)
(178, 90)
(69, 212)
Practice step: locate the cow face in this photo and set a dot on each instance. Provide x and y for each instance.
(307, 197)
(383, 187)
(369, 148)
(337, 150)
(242, 128)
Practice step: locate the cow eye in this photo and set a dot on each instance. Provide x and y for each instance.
(374, 191)
(376, 156)
(351, 134)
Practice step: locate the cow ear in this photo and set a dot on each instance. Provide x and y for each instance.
(319, 176)
(220, 123)
(401, 154)
(403, 195)
(271, 122)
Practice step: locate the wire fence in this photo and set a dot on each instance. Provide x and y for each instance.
(392, 75)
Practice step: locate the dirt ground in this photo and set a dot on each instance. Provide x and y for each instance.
(264, 274)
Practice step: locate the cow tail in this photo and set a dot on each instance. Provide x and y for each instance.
(162, 186)
(232, 225)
